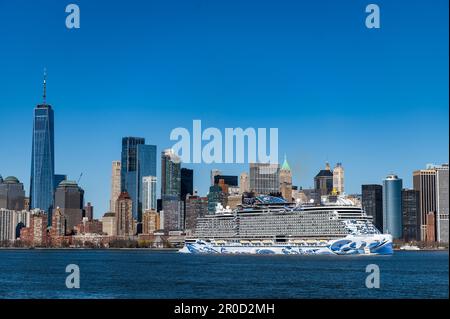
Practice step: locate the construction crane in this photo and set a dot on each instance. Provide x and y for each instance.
(78, 182)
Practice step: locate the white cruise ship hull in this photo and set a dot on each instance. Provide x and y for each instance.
(376, 244)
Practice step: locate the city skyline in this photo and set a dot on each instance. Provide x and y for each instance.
(89, 124)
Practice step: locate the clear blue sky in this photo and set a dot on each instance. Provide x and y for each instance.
(375, 100)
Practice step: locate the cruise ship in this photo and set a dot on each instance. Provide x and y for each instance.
(270, 225)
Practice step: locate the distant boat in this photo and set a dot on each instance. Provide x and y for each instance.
(409, 247)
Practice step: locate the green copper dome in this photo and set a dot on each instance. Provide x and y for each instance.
(285, 165)
(11, 180)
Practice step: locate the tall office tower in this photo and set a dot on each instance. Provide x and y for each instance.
(216, 196)
(150, 222)
(170, 174)
(173, 212)
(187, 182)
(214, 173)
(424, 181)
(392, 206)
(338, 178)
(12, 194)
(264, 178)
(187, 188)
(411, 214)
(115, 184)
(138, 160)
(286, 181)
(58, 224)
(89, 211)
(442, 206)
(244, 183)
(124, 215)
(230, 180)
(43, 157)
(109, 223)
(372, 203)
(149, 193)
(172, 207)
(196, 207)
(323, 181)
(69, 198)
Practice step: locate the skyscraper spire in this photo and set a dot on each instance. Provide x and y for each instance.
(43, 156)
(44, 96)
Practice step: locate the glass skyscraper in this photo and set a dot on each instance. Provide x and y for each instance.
(138, 161)
(43, 157)
(170, 174)
(411, 214)
(187, 182)
(372, 203)
(392, 206)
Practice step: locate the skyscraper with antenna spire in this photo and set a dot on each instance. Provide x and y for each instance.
(43, 155)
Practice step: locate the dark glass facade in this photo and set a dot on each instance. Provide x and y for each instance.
(411, 214)
(138, 160)
(170, 175)
(146, 166)
(372, 203)
(187, 182)
(228, 179)
(42, 159)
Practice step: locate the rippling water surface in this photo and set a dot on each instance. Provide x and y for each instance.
(151, 274)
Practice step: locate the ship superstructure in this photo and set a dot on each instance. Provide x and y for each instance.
(271, 225)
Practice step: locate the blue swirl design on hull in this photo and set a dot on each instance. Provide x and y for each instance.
(345, 246)
(385, 249)
(265, 252)
(349, 247)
